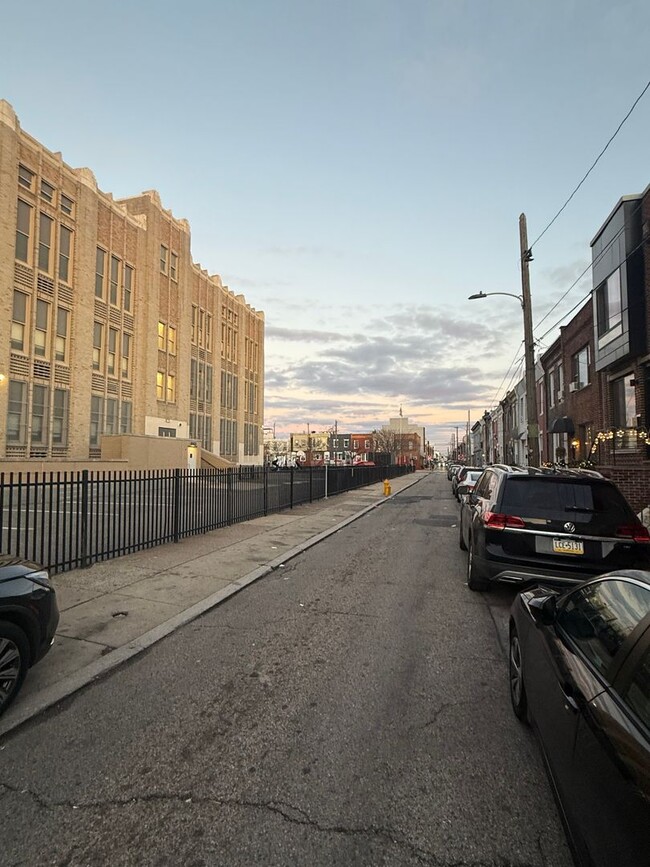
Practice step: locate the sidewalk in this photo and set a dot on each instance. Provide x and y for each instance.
(118, 608)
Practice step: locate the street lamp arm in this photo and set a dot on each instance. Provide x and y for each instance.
(520, 298)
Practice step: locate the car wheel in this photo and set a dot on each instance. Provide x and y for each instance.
(14, 661)
(515, 669)
(461, 541)
(475, 581)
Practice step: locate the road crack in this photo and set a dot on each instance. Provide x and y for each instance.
(288, 812)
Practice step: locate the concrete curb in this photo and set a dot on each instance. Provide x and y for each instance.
(67, 686)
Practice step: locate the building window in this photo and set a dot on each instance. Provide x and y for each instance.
(193, 391)
(65, 249)
(125, 417)
(16, 412)
(171, 340)
(208, 383)
(100, 271)
(67, 205)
(194, 317)
(23, 230)
(42, 324)
(164, 253)
(44, 242)
(624, 402)
(128, 286)
(25, 177)
(160, 385)
(208, 331)
(580, 368)
(19, 319)
(115, 280)
(111, 416)
(60, 418)
(47, 192)
(173, 266)
(62, 316)
(171, 388)
(39, 414)
(98, 339)
(96, 419)
(126, 356)
(166, 432)
(161, 336)
(608, 303)
(112, 351)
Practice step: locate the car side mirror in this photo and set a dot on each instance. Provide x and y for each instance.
(543, 609)
(462, 489)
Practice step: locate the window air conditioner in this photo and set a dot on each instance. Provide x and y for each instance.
(573, 386)
(560, 395)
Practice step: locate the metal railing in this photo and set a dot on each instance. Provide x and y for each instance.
(64, 521)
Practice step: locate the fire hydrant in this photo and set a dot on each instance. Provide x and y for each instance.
(386, 488)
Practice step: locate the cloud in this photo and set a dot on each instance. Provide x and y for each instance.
(563, 276)
(294, 335)
(250, 283)
(303, 250)
(435, 364)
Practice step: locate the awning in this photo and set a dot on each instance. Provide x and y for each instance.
(564, 424)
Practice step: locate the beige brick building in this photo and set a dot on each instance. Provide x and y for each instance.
(110, 335)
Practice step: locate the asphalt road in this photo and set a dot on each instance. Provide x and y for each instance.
(350, 709)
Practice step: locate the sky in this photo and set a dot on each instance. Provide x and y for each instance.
(357, 169)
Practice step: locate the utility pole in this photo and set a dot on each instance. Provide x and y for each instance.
(529, 347)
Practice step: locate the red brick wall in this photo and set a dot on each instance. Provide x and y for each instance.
(634, 482)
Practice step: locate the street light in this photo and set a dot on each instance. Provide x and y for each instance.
(529, 355)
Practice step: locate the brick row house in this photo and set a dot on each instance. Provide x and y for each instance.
(593, 382)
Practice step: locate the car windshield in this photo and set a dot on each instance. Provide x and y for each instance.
(598, 505)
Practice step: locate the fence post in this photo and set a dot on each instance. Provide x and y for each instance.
(311, 482)
(177, 504)
(326, 469)
(84, 520)
(266, 490)
(229, 496)
(291, 491)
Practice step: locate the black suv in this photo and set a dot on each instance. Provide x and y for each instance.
(538, 525)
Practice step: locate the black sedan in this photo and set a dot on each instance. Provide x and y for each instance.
(29, 616)
(579, 665)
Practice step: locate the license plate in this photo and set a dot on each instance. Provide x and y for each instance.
(568, 546)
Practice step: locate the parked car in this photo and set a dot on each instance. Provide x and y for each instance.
(459, 477)
(466, 486)
(579, 666)
(29, 616)
(564, 525)
(451, 469)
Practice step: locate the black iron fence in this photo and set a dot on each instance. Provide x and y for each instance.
(69, 520)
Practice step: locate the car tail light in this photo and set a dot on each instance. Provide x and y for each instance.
(634, 532)
(497, 521)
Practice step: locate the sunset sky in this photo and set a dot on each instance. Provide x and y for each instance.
(357, 169)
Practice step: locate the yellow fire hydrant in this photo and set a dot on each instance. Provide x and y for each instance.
(386, 488)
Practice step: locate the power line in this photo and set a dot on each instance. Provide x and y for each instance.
(512, 363)
(586, 297)
(514, 376)
(602, 253)
(593, 165)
